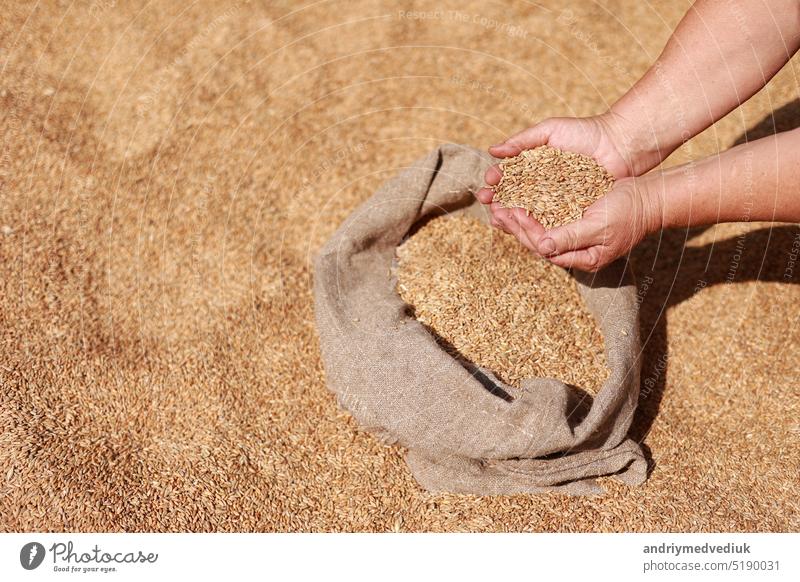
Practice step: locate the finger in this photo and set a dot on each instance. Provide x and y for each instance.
(502, 216)
(501, 225)
(494, 219)
(484, 195)
(524, 237)
(527, 233)
(532, 226)
(524, 140)
(570, 237)
(493, 175)
(584, 259)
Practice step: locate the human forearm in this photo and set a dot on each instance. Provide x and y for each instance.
(721, 53)
(755, 181)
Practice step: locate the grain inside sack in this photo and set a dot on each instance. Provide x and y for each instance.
(462, 431)
(496, 305)
(554, 186)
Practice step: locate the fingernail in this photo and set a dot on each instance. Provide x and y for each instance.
(547, 246)
(497, 145)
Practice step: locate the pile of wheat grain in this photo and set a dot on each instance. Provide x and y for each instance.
(499, 306)
(553, 185)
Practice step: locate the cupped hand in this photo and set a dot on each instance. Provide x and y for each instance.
(601, 137)
(609, 229)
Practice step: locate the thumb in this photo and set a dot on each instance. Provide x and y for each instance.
(524, 140)
(569, 237)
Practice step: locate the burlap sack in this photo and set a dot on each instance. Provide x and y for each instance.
(463, 433)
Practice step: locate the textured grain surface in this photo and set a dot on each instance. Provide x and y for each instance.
(168, 171)
(493, 303)
(552, 185)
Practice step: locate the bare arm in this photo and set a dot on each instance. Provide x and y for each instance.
(755, 181)
(722, 52)
(720, 55)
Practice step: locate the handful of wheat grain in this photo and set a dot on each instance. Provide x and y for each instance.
(553, 185)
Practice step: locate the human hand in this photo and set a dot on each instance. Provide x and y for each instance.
(606, 139)
(609, 229)
(603, 137)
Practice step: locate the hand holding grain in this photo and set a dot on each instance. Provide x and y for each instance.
(609, 229)
(602, 137)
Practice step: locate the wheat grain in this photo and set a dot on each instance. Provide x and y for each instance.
(553, 185)
(498, 306)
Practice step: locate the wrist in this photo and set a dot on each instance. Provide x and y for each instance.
(635, 140)
(651, 189)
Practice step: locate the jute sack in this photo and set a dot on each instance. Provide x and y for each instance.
(463, 431)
